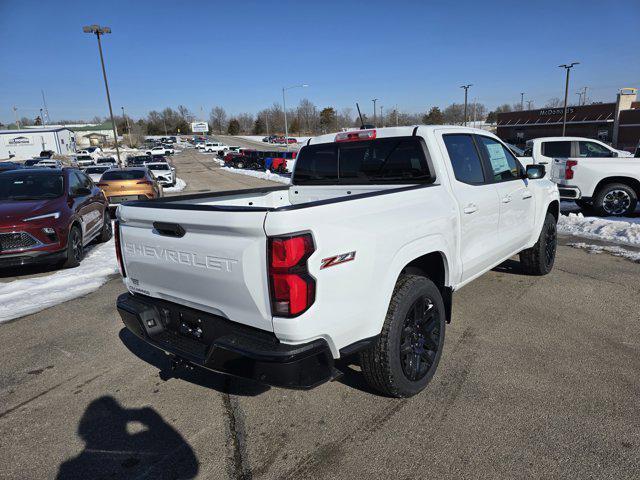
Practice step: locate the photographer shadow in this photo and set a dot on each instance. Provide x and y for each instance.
(128, 443)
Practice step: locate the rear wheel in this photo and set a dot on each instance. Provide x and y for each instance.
(615, 199)
(539, 259)
(405, 357)
(75, 250)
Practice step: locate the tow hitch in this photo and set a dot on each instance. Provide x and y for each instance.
(177, 363)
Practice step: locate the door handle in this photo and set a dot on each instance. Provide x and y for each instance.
(471, 208)
(526, 195)
(506, 199)
(169, 229)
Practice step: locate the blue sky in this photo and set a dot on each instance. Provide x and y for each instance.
(239, 54)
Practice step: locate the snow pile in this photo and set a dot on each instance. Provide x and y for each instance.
(613, 250)
(274, 177)
(178, 187)
(22, 297)
(607, 229)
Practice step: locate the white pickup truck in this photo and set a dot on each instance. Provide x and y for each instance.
(608, 186)
(361, 253)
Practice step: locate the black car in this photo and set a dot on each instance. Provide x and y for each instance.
(138, 160)
(32, 162)
(47, 153)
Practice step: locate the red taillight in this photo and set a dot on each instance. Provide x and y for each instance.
(356, 135)
(116, 236)
(568, 169)
(293, 289)
(144, 182)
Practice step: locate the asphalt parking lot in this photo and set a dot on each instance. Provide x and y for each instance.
(540, 378)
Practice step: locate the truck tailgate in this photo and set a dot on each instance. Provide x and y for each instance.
(213, 261)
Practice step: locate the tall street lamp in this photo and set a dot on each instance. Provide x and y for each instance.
(522, 100)
(375, 123)
(284, 105)
(466, 91)
(568, 68)
(98, 31)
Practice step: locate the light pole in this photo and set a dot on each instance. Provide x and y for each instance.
(522, 101)
(466, 91)
(381, 117)
(284, 106)
(568, 68)
(98, 30)
(374, 100)
(44, 124)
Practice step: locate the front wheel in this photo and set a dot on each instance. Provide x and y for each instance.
(406, 354)
(615, 199)
(75, 249)
(539, 259)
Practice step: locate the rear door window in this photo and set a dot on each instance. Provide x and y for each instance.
(560, 149)
(465, 159)
(317, 164)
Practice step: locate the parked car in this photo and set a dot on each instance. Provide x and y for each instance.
(270, 138)
(126, 184)
(84, 160)
(163, 172)
(138, 160)
(360, 255)
(160, 150)
(215, 147)
(95, 173)
(49, 163)
(47, 153)
(606, 185)
(49, 216)
(106, 161)
(83, 152)
(32, 162)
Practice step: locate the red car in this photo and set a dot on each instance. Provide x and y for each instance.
(49, 215)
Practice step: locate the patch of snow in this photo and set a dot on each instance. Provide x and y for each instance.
(613, 250)
(274, 177)
(178, 187)
(25, 296)
(613, 229)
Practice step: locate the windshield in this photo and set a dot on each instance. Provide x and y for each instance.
(123, 175)
(397, 160)
(30, 186)
(158, 166)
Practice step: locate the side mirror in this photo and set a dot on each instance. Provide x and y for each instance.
(614, 154)
(535, 171)
(82, 192)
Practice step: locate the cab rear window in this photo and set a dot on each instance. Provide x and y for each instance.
(397, 160)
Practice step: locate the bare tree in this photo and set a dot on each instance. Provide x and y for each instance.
(554, 102)
(218, 119)
(245, 122)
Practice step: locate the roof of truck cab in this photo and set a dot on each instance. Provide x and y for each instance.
(563, 139)
(389, 132)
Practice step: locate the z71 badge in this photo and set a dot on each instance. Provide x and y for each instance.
(337, 260)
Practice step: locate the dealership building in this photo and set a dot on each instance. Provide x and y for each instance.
(615, 123)
(28, 143)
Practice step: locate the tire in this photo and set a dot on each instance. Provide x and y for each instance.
(405, 356)
(615, 199)
(539, 259)
(75, 250)
(107, 229)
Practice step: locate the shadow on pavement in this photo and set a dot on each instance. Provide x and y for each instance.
(198, 376)
(510, 266)
(128, 443)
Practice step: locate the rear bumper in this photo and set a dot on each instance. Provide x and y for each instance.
(569, 193)
(224, 346)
